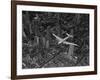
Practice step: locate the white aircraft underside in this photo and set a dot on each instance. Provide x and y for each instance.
(61, 40)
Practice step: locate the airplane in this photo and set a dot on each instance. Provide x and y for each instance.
(60, 40)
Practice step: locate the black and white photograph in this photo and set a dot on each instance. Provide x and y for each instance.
(52, 39)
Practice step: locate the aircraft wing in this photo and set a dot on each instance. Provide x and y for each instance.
(68, 43)
(58, 38)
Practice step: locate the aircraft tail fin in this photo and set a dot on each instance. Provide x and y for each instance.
(69, 35)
